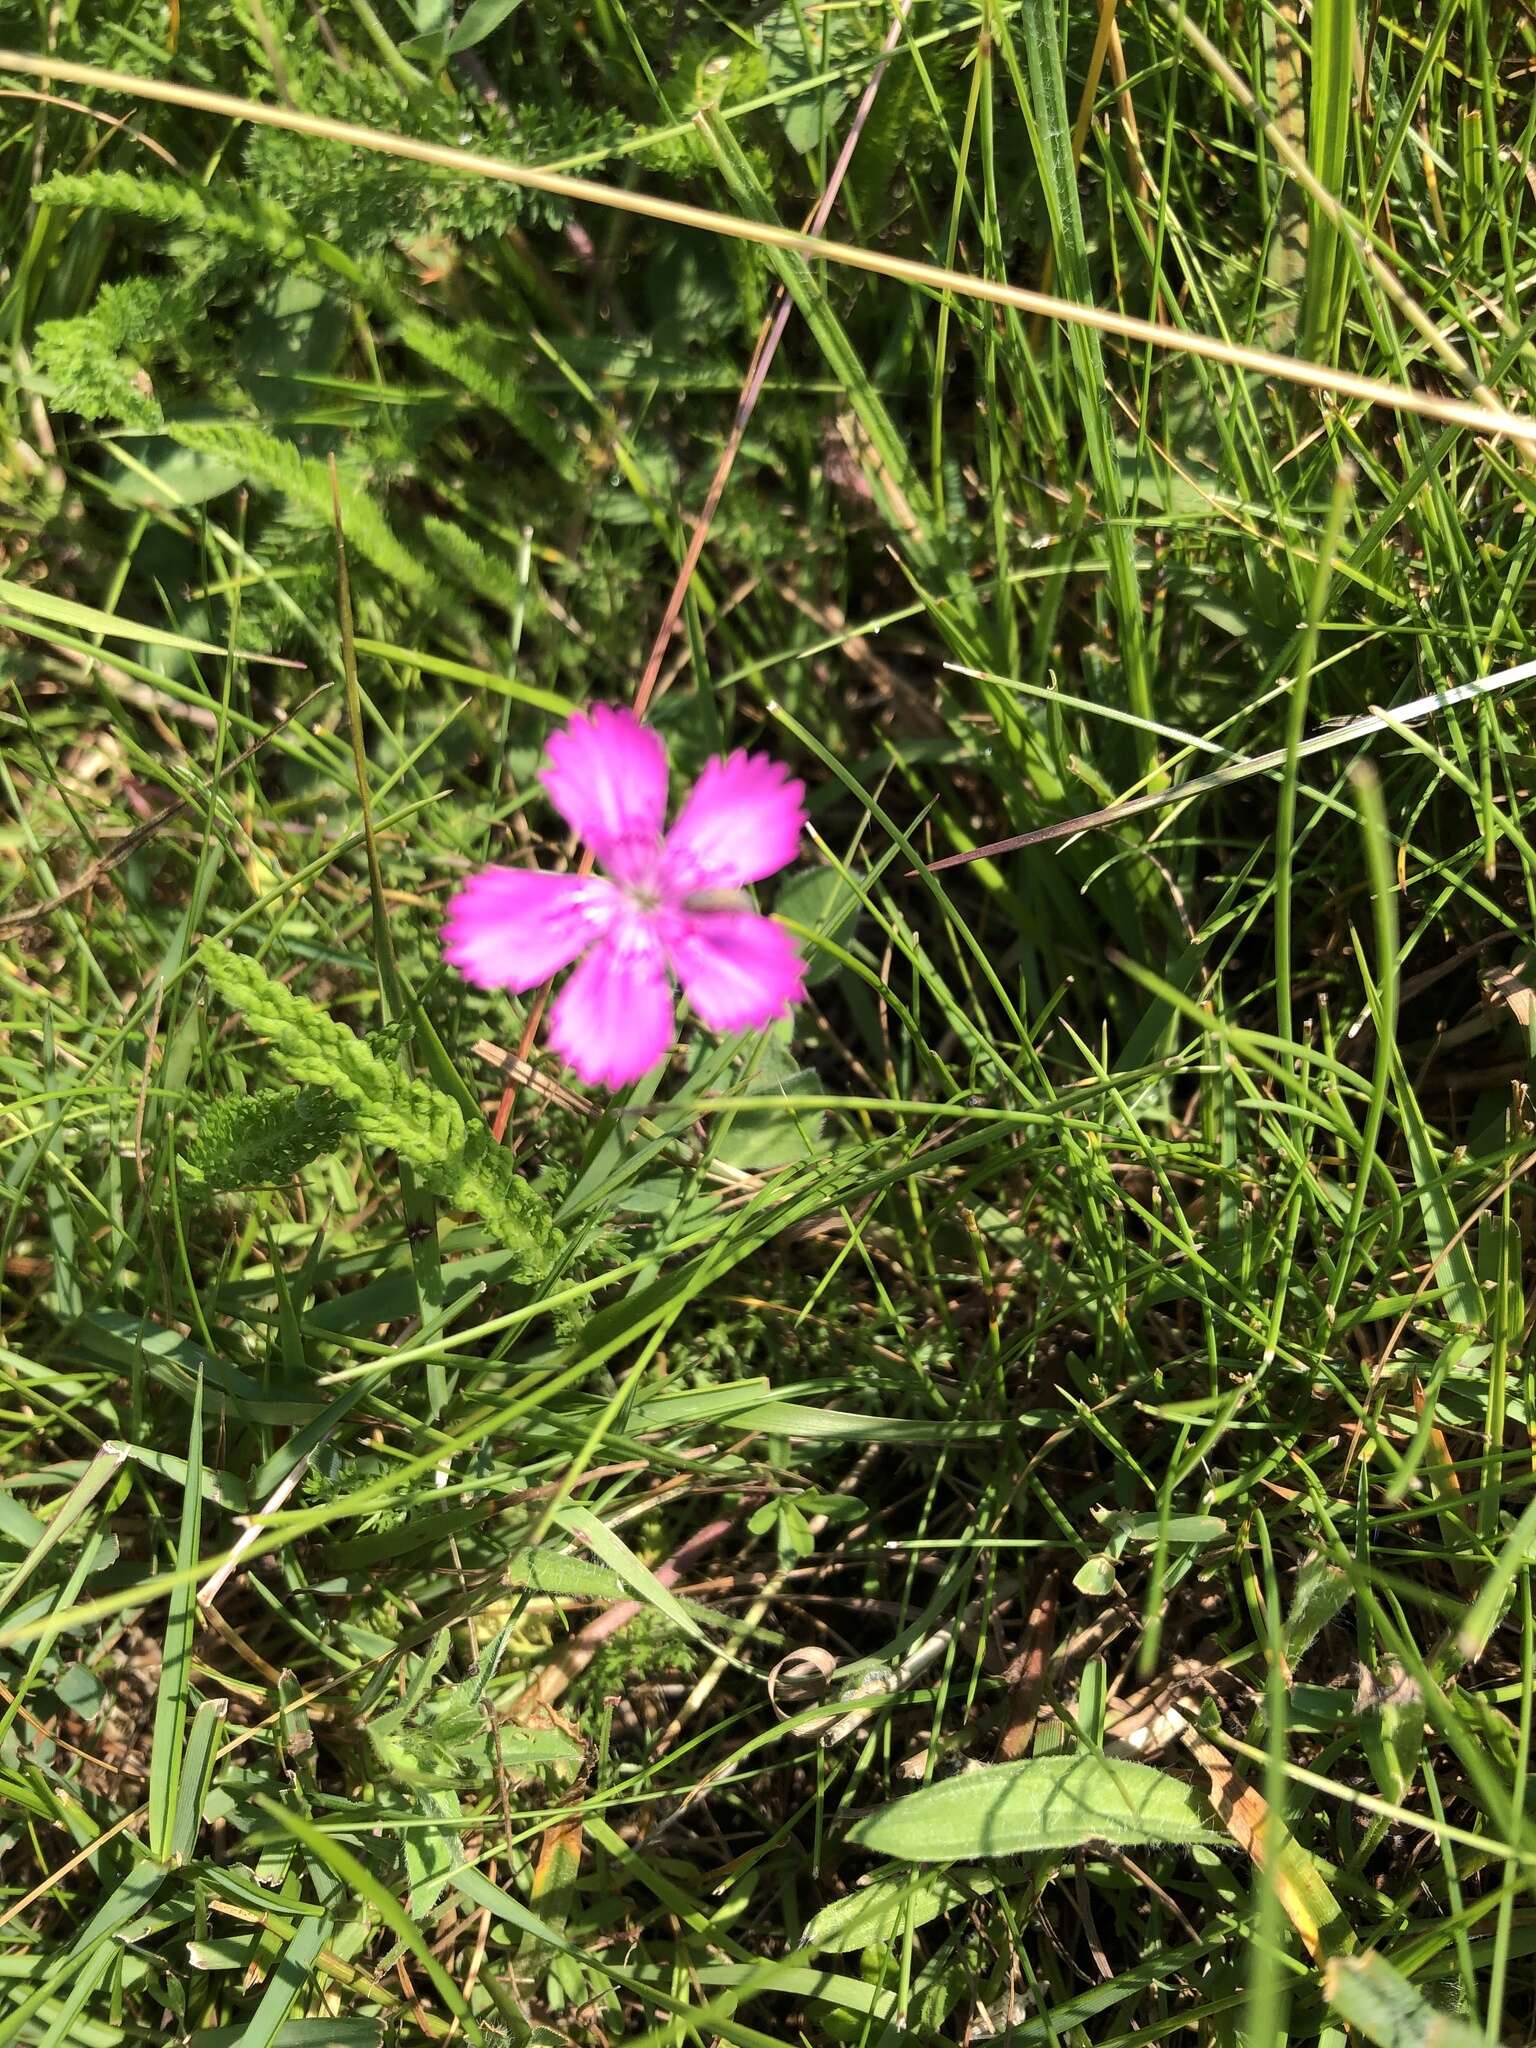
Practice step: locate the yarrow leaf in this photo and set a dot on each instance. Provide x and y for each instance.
(94, 363)
(421, 1124)
(171, 203)
(305, 483)
(262, 1139)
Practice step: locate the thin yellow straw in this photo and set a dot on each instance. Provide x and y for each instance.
(1480, 419)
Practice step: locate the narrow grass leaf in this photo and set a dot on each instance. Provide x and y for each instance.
(106, 1464)
(196, 1777)
(367, 1889)
(1482, 1617)
(46, 609)
(259, 2032)
(1043, 101)
(1329, 109)
(637, 1576)
(171, 1700)
(462, 672)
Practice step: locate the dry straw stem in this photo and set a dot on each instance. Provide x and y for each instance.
(1345, 384)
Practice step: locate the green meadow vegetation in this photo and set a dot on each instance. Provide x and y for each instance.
(999, 1509)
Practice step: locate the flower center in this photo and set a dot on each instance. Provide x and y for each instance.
(635, 863)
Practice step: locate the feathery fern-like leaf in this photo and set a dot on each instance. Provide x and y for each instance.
(463, 355)
(306, 484)
(420, 1123)
(263, 1139)
(166, 202)
(95, 362)
(478, 571)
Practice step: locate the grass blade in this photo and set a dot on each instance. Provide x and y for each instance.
(1330, 106)
(173, 1696)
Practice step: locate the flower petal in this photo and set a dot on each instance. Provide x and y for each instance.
(738, 970)
(515, 927)
(607, 775)
(741, 822)
(613, 1019)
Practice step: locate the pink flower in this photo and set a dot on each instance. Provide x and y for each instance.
(671, 903)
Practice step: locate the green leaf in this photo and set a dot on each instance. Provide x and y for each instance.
(80, 1689)
(293, 331)
(176, 1362)
(105, 1466)
(265, 2027)
(1322, 1593)
(1095, 1576)
(1043, 1804)
(883, 1909)
(434, 26)
(19, 1524)
(1329, 114)
(527, 1751)
(1043, 102)
(1380, 2003)
(1482, 1617)
(641, 1581)
(481, 18)
(462, 672)
(282, 1987)
(1450, 1255)
(1392, 1731)
(123, 1903)
(367, 1890)
(825, 904)
(1178, 1529)
(801, 43)
(764, 1139)
(559, 1576)
(85, 618)
(196, 1777)
(155, 470)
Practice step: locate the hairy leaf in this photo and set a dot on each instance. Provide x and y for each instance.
(1384, 2008)
(1045, 1803)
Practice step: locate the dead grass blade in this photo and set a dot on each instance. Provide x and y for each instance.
(1321, 377)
